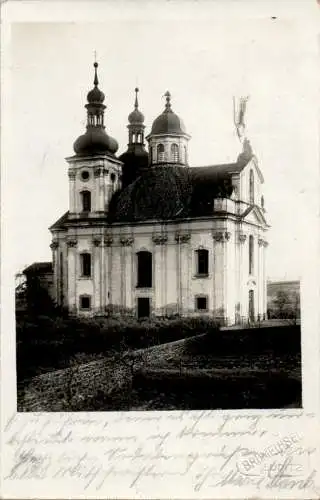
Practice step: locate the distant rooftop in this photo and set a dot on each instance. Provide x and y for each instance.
(39, 268)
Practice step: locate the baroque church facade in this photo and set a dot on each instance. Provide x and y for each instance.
(146, 234)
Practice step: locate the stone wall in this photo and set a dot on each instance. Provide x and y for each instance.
(63, 390)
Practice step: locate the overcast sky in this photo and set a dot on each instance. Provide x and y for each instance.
(204, 63)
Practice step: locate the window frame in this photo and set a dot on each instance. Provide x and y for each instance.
(251, 255)
(147, 283)
(86, 193)
(174, 150)
(198, 252)
(251, 186)
(89, 298)
(201, 297)
(84, 265)
(160, 159)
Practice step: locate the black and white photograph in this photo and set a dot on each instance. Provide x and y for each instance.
(160, 237)
(157, 254)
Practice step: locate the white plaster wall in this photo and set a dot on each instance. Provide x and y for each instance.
(114, 268)
(101, 187)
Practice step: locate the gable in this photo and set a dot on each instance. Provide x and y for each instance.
(253, 163)
(253, 215)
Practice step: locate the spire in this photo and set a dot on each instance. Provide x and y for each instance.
(95, 81)
(136, 117)
(136, 99)
(167, 95)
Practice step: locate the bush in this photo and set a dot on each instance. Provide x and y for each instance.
(51, 341)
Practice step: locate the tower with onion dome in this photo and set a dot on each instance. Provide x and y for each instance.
(77, 246)
(135, 159)
(94, 171)
(168, 139)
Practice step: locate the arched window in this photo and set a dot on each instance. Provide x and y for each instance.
(202, 262)
(251, 254)
(160, 153)
(86, 201)
(262, 202)
(144, 268)
(85, 264)
(185, 154)
(251, 186)
(174, 153)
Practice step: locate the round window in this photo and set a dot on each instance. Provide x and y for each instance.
(85, 175)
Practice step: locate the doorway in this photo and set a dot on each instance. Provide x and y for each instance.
(251, 306)
(143, 307)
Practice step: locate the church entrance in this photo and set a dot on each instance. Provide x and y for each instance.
(143, 307)
(251, 306)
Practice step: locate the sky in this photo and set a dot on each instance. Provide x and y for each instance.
(203, 62)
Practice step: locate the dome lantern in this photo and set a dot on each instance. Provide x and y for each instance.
(168, 139)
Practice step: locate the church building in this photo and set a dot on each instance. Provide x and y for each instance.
(147, 234)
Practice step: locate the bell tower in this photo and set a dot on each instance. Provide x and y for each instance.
(94, 171)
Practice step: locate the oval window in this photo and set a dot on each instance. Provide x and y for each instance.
(85, 175)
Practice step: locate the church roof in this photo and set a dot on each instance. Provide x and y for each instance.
(168, 122)
(39, 268)
(173, 192)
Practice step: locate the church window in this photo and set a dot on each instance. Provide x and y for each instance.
(86, 201)
(85, 302)
(160, 152)
(202, 262)
(185, 154)
(144, 264)
(251, 186)
(202, 303)
(85, 175)
(251, 254)
(86, 264)
(174, 152)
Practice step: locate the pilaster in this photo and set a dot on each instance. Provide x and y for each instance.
(126, 242)
(159, 240)
(242, 266)
(72, 190)
(56, 266)
(72, 274)
(220, 239)
(182, 239)
(97, 273)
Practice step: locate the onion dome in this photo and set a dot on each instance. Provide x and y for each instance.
(168, 122)
(135, 160)
(95, 140)
(95, 96)
(136, 117)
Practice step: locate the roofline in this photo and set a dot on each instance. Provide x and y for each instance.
(170, 134)
(79, 158)
(103, 223)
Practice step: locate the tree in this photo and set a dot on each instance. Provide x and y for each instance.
(286, 305)
(281, 303)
